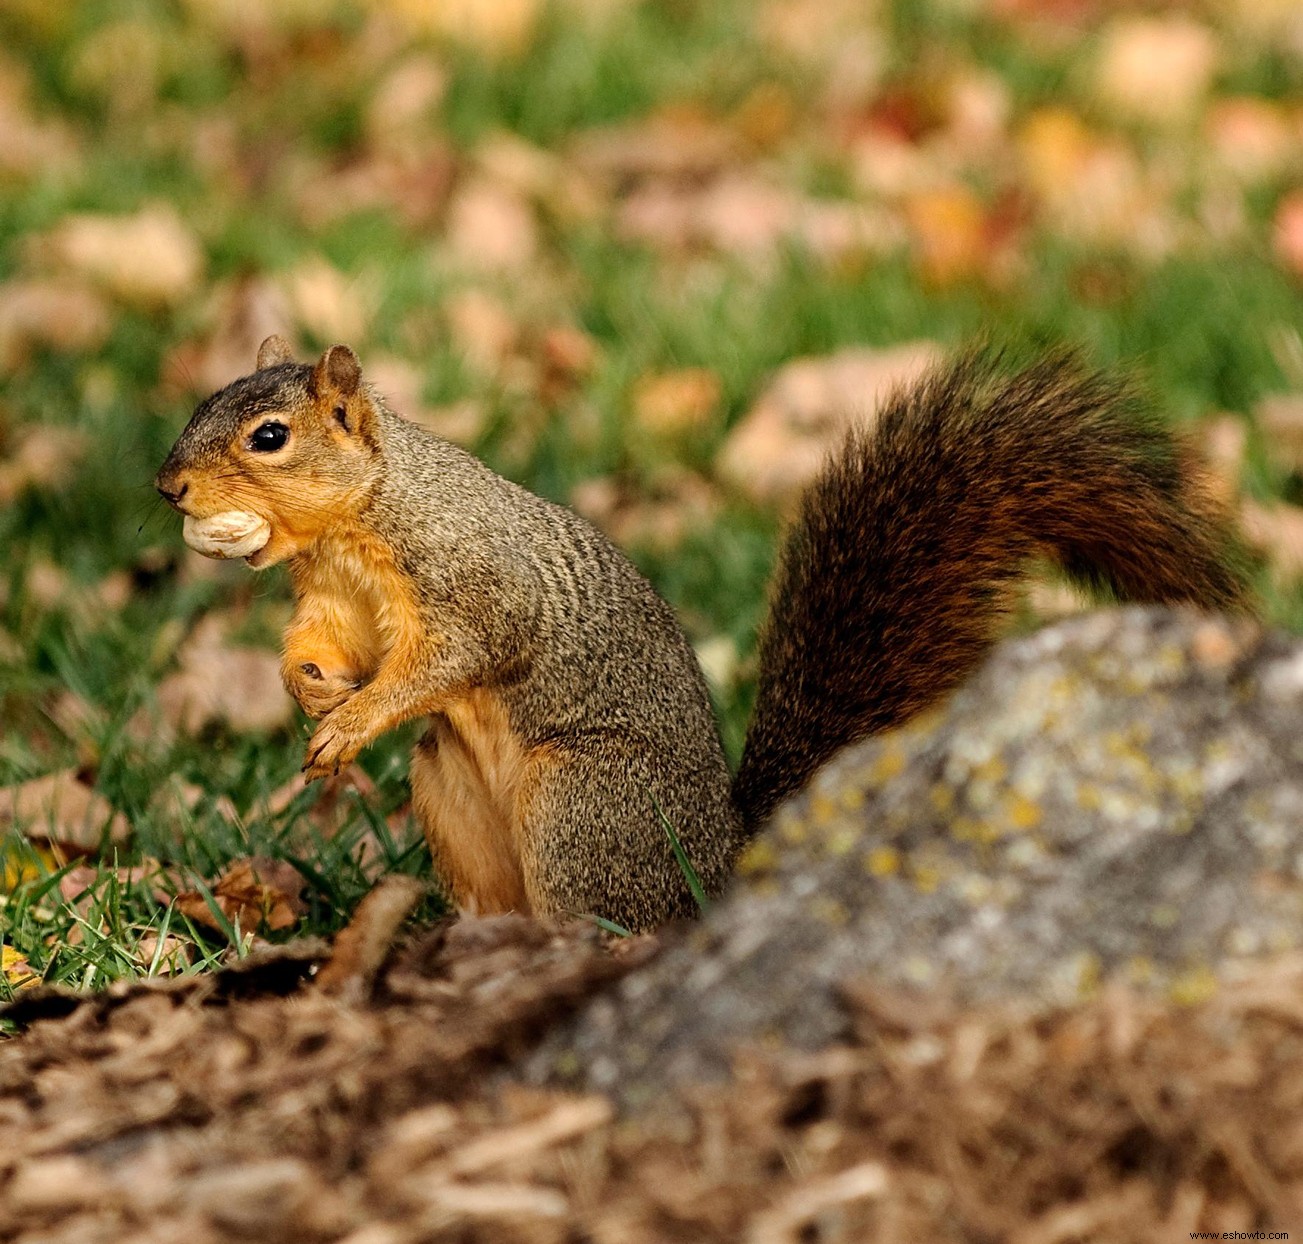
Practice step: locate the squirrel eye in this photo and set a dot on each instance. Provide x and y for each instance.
(268, 437)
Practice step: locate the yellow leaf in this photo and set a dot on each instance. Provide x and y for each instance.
(23, 861)
(16, 970)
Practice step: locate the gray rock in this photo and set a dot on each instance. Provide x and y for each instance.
(1117, 796)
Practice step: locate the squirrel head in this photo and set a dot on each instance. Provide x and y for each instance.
(296, 444)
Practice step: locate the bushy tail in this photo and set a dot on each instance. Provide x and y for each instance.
(897, 572)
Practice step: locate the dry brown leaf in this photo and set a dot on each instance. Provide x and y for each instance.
(16, 971)
(681, 145)
(172, 957)
(56, 314)
(363, 945)
(254, 893)
(483, 331)
(150, 259)
(745, 215)
(328, 304)
(658, 515)
(780, 444)
(243, 313)
(1094, 188)
(405, 101)
(1155, 69)
(1252, 138)
(949, 233)
(222, 683)
(675, 402)
(43, 458)
(499, 28)
(1287, 233)
(490, 227)
(29, 145)
(1225, 441)
(1280, 418)
(1278, 530)
(462, 422)
(63, 810)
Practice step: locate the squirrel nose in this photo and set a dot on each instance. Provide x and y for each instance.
(172, 497)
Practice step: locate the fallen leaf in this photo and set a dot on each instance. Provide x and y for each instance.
(363, 945)
(657, 514)
(1155, 69)
(1251, 138)
(15, 969)
(30, 145)
(949, 232)
(242, 314)
(1278, 530)
(499, 28)
(745, 215)
(405, 101)
(151, 259)
(172, 957)
(222, 683)
(1280, 418)
(55, 314)
(330, 306)
(41, 458)
(22, 861)
(675, 402)
(1225, 442)
(779, 446)
(490, 227)
(63, 810)
(463, 422)
(1287, 232)
(1094, 188)
(681, 145)
(254, 893)
(483, 331)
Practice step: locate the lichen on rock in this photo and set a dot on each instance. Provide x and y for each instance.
(1119, 796)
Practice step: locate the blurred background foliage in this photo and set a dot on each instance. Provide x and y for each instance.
(647, 257)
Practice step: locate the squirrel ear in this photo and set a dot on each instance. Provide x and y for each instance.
(339, 372)
(272, 351)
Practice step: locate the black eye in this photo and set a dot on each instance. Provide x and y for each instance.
(266, 438)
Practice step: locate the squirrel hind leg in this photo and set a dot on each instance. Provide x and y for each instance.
(594, 842)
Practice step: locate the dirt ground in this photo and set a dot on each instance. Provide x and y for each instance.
(289, 1101)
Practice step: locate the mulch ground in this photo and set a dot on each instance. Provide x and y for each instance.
(378, 1106)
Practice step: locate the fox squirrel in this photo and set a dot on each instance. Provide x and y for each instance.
(569, 720)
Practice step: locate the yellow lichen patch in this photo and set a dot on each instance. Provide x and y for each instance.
(793, 830)
(883, 861)
(842, 840)
(1193, 986)
(1140, 970)
(1088, 797)
(851, 799)
(760, 857)
(926, 878)
(889, 764)
(1164, 916)
(942, 799)
(822, 810)
(1024, 813)
(991, 771)
(829, 911)
(1090, 974)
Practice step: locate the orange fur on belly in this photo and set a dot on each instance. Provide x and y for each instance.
(466, 777)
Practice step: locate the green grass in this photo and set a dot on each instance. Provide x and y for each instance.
(1202, 329)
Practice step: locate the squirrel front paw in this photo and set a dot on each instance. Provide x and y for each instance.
(319, 691)
(335, 744)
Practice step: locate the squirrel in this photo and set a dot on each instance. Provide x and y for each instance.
(569, 722)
